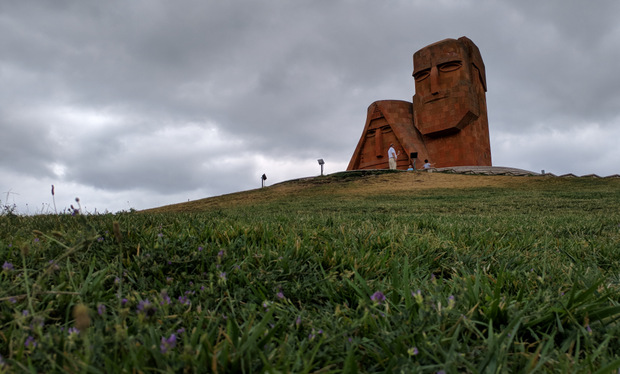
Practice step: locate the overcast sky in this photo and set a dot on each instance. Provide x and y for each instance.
(138, 104)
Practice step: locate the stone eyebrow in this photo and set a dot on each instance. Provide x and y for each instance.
(425, 65)
(450, 61)
(419, 69)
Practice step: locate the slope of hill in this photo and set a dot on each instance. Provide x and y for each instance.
(360, 185)
(368, 272)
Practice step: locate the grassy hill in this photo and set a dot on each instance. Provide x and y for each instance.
(359, 187)
(351, 272)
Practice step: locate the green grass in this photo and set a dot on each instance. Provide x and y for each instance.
(522, 277)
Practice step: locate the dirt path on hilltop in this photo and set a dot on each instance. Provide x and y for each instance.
(400, 182)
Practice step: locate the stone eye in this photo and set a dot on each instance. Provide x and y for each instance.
(422, 75)
(450, 66)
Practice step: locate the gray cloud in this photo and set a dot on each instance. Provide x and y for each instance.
(153, 101)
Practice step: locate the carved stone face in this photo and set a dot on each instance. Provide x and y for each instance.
(448, 86)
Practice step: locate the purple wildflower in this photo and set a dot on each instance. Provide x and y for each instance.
(223, 275)
(146, 308)
(30, 342)
(167, 344)
(143, 304)
(181, 330)
(298, 321)
(124, 301)
(101, 309)
(413, 351)
(280, 295)
(220, 254)
(165, 299)
(184, 300)
(73, 331)
(314, 334)
(378, 297)
(7, 266)
(199, 249)
(25, 312)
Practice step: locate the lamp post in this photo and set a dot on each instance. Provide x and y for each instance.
(262, 181)
(321, 162)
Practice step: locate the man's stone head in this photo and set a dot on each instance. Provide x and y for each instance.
(450, 86)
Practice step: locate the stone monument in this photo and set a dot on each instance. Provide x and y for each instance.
(447, 121)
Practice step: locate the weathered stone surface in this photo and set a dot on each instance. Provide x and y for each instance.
(387, 122)
(447, 121)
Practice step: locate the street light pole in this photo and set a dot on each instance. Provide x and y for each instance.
(321, 162)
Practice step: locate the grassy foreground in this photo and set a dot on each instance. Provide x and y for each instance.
(396, 272)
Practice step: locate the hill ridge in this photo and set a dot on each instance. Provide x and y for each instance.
(367, 183)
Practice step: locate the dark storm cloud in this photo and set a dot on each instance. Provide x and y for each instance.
(552, 63)
(199, 97)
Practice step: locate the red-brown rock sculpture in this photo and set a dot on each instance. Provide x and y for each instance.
(447, 121)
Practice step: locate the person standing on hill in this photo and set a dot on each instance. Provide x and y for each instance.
(392, 155)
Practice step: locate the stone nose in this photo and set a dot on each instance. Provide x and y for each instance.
(434, 81)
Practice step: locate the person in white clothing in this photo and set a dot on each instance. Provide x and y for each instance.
(392, 155)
